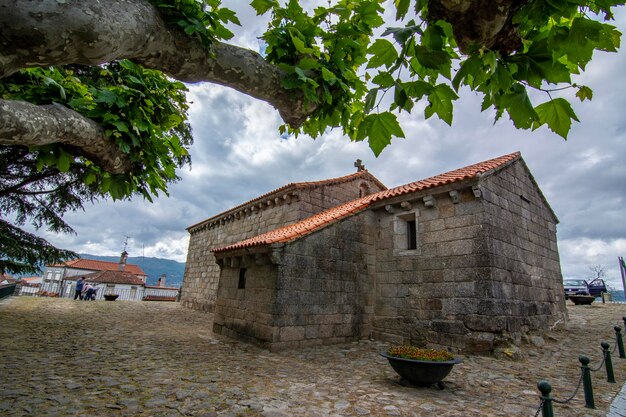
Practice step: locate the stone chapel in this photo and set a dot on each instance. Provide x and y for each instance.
(466, 260)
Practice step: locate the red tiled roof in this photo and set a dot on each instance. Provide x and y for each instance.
(156, 287)
(320, 220)
(93, 265)
(159, 298)
(114, 277)
(296, 186)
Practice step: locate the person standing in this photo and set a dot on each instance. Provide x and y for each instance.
(79, 288)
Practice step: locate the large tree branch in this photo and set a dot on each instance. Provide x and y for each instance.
(26, 124)
(93, 32)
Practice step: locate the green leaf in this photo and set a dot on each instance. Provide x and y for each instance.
(401, 35)
(557, 114)
(105, 96)
(328, 76)
(402, 7)
(299, 44)
(469, 69)
(417, 89)
(384, 53)
(90, 178)
(440, 102)
(431, 59)
(120, 125)
(227, 15)
(379, 129)
(370, 100)
(309, 64)
(584, 93)
(400, 96)
(383, 79)
(222, 33)
(519, 107)
(63, 163)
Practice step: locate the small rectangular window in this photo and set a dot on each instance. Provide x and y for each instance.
(411, 234)
(242, 278)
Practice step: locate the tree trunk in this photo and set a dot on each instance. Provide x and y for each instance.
(480, 23)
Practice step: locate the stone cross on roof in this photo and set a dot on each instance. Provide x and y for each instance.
(359, 166)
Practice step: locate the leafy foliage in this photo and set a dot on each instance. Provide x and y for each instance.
(202, 19)
(143, 111)
(323, 51)
(321, 54)
(39, 196)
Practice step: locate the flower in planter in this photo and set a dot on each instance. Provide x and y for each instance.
(412, 352)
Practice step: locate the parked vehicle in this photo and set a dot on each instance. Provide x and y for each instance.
(581, 287)
(596, 287)
(575, 287)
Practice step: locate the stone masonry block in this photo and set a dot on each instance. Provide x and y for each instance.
(292, 333)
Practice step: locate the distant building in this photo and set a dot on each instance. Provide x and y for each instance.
(7, 279)
(60, 279)
(161, 292)
(467, 260)
(29, 285)
(124, 284)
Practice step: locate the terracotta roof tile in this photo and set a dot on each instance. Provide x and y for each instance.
(114, 277)
(320, 220)
(94, 265)
(156, 287)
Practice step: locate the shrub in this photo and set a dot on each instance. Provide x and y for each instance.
(412, 352)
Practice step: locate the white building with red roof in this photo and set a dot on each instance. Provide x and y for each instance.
(466, 260)
(60, 279)
(30, 285)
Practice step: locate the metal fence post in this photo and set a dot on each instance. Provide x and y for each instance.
(620, 342)
(545, 388)
(608, 363)
(587, 387)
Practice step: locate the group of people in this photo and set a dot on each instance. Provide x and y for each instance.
(84, 290)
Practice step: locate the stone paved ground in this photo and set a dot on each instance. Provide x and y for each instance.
(71, 358)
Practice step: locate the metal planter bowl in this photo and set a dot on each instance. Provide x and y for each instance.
(421, 373)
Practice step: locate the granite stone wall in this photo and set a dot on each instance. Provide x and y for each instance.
(423, 294)
(485, 271)
(526, 288)
(261, 215)
(323, 290)
(247, 313)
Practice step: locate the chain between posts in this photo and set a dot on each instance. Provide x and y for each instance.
(545, 405)
(601, 364)
(540, 407)
(580, 380)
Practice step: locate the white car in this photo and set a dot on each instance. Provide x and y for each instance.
(575, 287)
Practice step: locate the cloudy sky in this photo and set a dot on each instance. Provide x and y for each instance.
(238, 154)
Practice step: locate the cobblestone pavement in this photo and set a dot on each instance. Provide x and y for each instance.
(70, 358)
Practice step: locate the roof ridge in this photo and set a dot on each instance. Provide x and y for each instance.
(293, 186)
(327, 217)
(75, 263)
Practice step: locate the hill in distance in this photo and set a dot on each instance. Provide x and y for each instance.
(154, 267)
